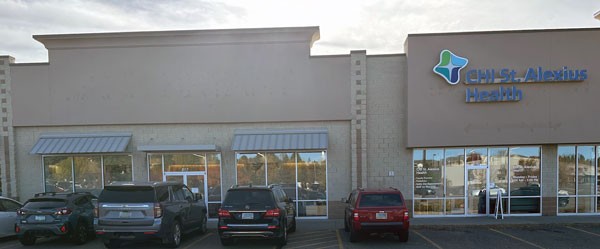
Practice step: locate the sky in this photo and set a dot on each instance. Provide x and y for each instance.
(378, 26)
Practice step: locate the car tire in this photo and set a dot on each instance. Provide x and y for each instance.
(203, 228)
(27, 239)
(293, 226)
(226, 241)
(80, 234)
(175, 236)
(403, 235)
(113, 243)
(282, 241)
(354, 236)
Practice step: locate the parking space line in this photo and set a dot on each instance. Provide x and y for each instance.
(196, 241)
(312, 232)
(517, 238)
(302, 241)
(309, 245)
(428, 240)
(331, 246)
(339, 239)
(583, 231)
(313, 236)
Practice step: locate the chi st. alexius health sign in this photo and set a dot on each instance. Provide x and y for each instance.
(450, 65)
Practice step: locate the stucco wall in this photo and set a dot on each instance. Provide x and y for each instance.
(201, 82)
(548, 113)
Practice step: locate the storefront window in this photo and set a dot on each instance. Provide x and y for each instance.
(88, 174)
(302, 175)
(117, 168)
(155, 169)
(251, 169)
(184, 162)
(281, 169)
(455, 181)
(577, 179)
(58, 171)
(525, 180)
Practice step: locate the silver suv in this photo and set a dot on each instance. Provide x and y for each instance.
(148, 210)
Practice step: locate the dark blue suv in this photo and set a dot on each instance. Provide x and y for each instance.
(68, 215)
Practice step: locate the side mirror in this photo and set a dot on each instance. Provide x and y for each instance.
(344, 200)
(198, 196)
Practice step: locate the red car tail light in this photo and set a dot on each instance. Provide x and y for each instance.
(406, 217)
(63, 228)
(17, 229)
(63, 211)
(224, 213)
(272, 213)
(355, 216)
(158, 212)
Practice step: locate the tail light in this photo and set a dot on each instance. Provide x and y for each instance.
(272, 213)
(20, 212)
(406, 216)
(158, 212)
(96, 212)
(17, 229)
(63, 211)
(63, 228)
(224, 213)
(355, 216)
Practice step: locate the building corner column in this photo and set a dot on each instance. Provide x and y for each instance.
(7, 141)
(358, 126)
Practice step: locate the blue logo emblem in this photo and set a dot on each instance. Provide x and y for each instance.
(449, 66)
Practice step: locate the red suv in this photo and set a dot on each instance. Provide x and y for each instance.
(376, 211)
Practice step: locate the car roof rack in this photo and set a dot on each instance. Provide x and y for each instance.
(45, 194)
(273, 185)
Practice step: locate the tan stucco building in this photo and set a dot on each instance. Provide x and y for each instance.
(213, 108)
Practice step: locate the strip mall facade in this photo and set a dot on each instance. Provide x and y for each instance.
(457, 122)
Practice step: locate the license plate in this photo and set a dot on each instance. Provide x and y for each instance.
(124, 215)
(381, 216)
(40, 218)
(247, 216)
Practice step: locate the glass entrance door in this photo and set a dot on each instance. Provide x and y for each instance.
(196, 181)
(477, 190)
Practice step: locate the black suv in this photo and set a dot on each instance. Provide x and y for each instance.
(256, 212)
(148, 210)
(56, 214)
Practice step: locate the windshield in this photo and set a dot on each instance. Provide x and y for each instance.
(380, 200)
(45, 203)
(254, 198)
(129, 194)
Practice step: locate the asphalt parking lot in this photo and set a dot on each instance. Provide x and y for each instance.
(534, 236)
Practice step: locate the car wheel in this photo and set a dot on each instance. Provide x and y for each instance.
(203, 228)
(226, 241)
(113, 243)
(80, 234)
(27, 239)
(282, 241)
(175, 239)
(403, 235)
(293, 227)
(354, 236)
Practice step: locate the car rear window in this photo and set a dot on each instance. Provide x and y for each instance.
(257, 198)
(129, 194)
(45, 203)
(380, 200)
